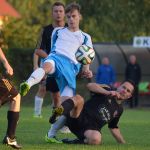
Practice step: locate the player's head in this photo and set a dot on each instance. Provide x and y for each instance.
(58, 11)
(126, 89)
(73, 16)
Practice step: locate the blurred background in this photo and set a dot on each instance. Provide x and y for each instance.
(112, 25)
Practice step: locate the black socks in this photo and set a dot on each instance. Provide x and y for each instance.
(12, 118)
(68, 105)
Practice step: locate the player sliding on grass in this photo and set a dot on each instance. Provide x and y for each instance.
(86, 120)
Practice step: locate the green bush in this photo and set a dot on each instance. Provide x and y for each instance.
(21, 61)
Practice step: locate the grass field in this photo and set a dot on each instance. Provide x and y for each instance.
(134, 124)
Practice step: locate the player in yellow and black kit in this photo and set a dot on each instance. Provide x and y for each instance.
(8, 93)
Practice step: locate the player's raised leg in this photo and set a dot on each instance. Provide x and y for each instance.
(36, 77)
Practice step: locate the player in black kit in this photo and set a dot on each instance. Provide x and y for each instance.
(43, 49)
(104, 107)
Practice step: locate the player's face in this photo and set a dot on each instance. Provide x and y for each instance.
(58, 13)
(126, 90)
(73, 19)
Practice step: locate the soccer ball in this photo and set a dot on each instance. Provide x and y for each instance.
(85, 55)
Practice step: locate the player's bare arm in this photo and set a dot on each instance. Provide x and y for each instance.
(117, 135)
(94, 87)
(97, 88)
(3, 59)
(41, 53)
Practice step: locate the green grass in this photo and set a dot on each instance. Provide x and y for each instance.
(134, 124)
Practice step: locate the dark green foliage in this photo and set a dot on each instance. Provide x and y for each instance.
(21, 61)
(105, 20)
(116, 20)
(24, 32)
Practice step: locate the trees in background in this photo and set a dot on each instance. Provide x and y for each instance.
(23, 32)
(105, 20)
(116, 20)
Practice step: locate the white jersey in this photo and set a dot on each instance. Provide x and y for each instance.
(66, 42)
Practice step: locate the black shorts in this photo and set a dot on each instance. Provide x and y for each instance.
(51, 84)
(79, 125)
(7, 90)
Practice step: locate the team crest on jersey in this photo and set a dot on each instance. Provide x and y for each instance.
(105, 114)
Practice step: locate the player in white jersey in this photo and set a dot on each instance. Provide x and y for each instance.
(62, 62)
(63, 54)
(73, 40)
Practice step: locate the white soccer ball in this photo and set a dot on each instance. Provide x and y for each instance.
(85, 55)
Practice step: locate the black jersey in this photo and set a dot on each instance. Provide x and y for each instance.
(97, 112)
(44, 41)
(102, 110)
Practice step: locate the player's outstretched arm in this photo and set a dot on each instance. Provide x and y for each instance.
(3, 59)
(96, 88)
(100, 89)
(117, 135)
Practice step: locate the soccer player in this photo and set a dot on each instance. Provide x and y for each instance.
(42, 51)
(104, 107)
(8, 93)
(61, 62)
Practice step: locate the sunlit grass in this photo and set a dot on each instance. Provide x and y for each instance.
(134, 124)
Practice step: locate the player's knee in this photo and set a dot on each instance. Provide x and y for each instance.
(92, 137)
(15, 103)
(95, 140)
(17, 98)
(49, 67)
(41, 92)
(56, 96)
(79, 99)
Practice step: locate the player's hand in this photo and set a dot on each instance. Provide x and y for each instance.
(9, 69)
(115, 94)
(35, 67)
(87, 74)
